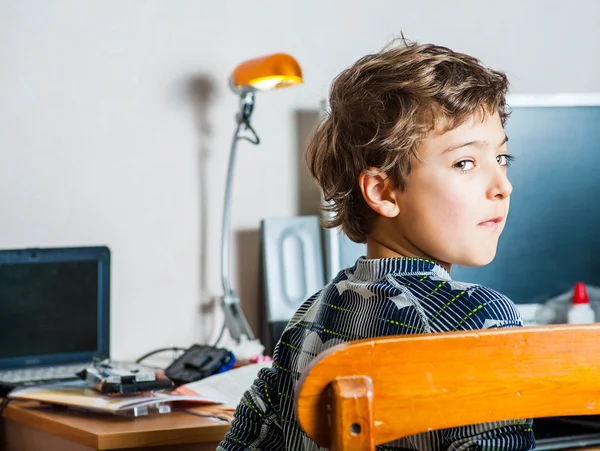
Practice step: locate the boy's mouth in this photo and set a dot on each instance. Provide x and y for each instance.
(492, 223)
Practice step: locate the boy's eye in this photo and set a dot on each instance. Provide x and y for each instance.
(505, 159)
(465, 165)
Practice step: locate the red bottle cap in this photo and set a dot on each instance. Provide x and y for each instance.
(580, 295)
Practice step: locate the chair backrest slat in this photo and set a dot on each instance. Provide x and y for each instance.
(437, 381)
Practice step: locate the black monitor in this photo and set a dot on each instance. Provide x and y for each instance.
(551, 239)
(552, 236)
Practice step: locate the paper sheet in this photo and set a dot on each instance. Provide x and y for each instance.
(228, 386)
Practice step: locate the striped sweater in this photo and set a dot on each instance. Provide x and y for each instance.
(374, 298)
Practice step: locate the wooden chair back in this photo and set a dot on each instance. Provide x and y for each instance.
(361, 394)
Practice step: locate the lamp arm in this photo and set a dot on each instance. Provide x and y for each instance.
(226, 223)
(235, 320)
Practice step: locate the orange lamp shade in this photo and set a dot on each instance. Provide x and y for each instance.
(267, 72)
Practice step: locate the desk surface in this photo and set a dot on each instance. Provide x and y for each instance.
(105, 432)
(108, 432)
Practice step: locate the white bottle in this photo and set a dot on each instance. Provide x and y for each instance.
(581, 311)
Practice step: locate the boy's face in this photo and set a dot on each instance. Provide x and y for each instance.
(457, 197)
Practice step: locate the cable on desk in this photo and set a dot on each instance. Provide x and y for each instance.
(151, 353)
(220, 336)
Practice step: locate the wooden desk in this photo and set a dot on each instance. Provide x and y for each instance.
(29, 426)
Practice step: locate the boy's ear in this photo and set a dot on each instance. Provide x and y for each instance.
(379, 193)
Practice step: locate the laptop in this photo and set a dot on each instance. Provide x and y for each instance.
(54, 313)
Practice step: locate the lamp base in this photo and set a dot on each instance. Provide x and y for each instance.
(235, 320)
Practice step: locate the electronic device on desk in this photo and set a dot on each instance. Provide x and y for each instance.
(54, 305)
(199, 362)
(110, 379)
(292, 271)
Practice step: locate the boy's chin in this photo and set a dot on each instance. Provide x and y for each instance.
(477, 259)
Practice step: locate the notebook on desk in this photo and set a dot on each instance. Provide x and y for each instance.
(54, 310)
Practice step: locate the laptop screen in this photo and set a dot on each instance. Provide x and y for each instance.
(53, 305)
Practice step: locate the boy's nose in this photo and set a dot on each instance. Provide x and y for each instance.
(500, 188)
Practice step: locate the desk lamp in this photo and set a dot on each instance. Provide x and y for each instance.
(259, 74)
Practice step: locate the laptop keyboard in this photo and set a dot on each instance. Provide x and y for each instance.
(39, 374)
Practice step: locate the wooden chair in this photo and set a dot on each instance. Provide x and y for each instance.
(365, 393)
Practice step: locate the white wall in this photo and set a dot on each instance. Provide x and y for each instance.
(101, 141)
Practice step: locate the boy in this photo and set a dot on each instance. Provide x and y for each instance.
(413, 160)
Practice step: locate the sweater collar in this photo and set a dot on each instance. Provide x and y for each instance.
(377, 268)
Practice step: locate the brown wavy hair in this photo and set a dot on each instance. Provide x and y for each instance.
(381, 108)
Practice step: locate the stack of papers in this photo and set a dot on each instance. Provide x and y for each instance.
(78, 395)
